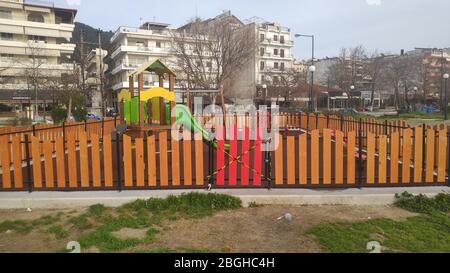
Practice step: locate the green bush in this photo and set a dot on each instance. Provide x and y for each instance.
(423, 204)
(80, 114)
(59, 115)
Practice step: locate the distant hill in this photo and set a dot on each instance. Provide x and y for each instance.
(90, 38)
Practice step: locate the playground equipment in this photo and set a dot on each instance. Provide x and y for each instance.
(151, 110)
(148, 110)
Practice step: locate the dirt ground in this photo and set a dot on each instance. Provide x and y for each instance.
(244, 230)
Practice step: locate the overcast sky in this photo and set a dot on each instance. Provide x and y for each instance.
(386, 25)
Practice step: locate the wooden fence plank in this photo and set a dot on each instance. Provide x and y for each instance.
(107, 160)
(163, 160)
(48, 164)
(127, 161)
(315, 179)
(95, 155)
(60, 163)
(6, 162)
(290, 160)
(151, 157)
(187, 158)
(175, 146)
(351, 149)
(245, 157)
(442, 155)
(36, 154)
(257, 159)
(17, 160)
(84, 160)
(429, 174)
(199, 173)
(279, 160)
(303, 158)
(418, 156)
(394, 157)
(140, 166)
(382, 159)
(406, 157)
(232, 176)
(339, 160)
(371, 158)
(326, 157)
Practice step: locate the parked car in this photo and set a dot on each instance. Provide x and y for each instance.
(93, 116)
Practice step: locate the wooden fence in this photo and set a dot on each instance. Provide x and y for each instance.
(16, 136)
(320, 158)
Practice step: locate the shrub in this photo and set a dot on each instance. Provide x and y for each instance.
(79, 114)
(423, 204)
(59, 115)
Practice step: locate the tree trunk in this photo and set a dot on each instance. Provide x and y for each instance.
(69, 110)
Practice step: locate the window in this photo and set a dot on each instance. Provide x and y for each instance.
(158, 44)
(5, 14)
(282, 66)
(282, 53)
(275, 79)
(209, 65)
(281, 39)
(262, 37)
(36, 17)
(275, 37)
(6, 36)
(275, 52)
(37, 38)
(262, 66)
(262, 51)
(275, 65)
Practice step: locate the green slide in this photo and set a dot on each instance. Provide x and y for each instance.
(185, 118)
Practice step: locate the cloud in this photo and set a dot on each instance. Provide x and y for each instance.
(73, 2)
(373, 2)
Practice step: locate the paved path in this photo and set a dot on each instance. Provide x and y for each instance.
(366, 196)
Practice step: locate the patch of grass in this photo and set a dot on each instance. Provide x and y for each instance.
(417, 234)
(152, 212)
(81, 222)
(18, 225)
(192, 204)
(429, 232)
(46, 220)
(59, 232)
(422, 203)
(96, 210)
(255, 205)
(171, 250)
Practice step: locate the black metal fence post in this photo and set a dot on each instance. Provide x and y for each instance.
(360, 161)
(34, 129)
(119, 163)
(27, 157)
(103, 126)
(342, 123)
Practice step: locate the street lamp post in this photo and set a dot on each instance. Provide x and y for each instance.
(350, 96)
(312, 68)
(264, 86)
(446, 95)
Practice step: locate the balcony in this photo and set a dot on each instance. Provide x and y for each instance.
(144, 50)
(138, 31)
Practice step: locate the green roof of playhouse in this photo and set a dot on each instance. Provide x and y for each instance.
(154, 65)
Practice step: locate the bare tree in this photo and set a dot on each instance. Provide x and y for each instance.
(372, 71)
(345, 71)
(210, 53)
(286, 81)
(34, 73)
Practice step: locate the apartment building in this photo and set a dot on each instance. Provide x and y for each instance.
(35, 49)
(436, 62)
(275, 52)
(95, 69)
(133, 47)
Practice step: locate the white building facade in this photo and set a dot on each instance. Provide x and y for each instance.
(34, 39)
(133, 47)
